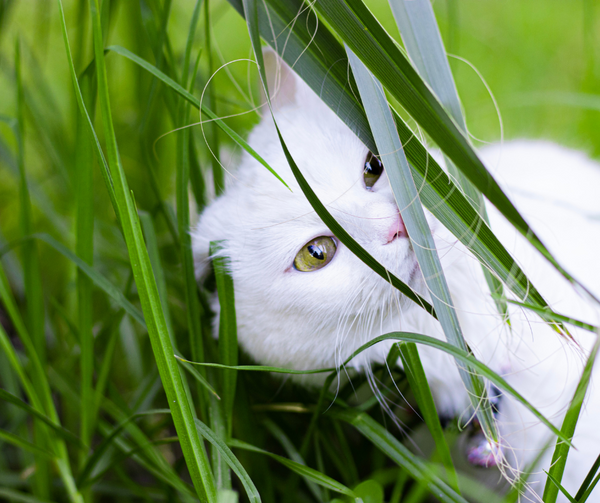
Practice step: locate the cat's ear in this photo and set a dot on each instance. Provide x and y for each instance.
(282, 82)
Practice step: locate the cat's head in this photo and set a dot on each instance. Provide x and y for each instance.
(303, 299)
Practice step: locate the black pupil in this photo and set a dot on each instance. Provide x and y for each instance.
(373, 166)
(316, 252)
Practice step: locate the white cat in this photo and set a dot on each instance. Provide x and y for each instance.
(304, 301)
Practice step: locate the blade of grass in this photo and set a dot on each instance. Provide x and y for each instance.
(589, 481)
(294, 455)
(589, 490)
(419, 233)
(423, 42)
(199, 377)
(231, 460)
(218, 174)
(99, 280)
(387, 443)
(426, 340)
(94, 458)
(58, 429)
(21, 443)
(32, 278)
(418, 383)
(301, 469)
(84, 236)
(154, 255)
(38, 391)
(561, 451)
(559, 486)
(228, 343)
(359, 29)
(193, 100)
(183, 221)
(17, 496)
(192, 447)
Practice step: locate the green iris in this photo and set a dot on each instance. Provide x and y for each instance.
(315, 254)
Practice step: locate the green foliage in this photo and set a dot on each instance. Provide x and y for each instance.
(101, 180)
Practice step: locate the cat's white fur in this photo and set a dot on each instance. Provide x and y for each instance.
(306, 320)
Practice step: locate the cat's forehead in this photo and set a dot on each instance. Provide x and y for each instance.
(327, 153)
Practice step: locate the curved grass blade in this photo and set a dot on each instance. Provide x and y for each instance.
(100, 281)
(194, 101)
(231, 460)
(58, 429)
(21, 443)
(294, 455)
(300, 469)
(426, 340)
(559, 458)
(92, 461)
(407, 198)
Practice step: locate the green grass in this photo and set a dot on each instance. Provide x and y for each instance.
(97, 290)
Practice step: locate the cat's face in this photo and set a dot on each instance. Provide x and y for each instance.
(303, 299)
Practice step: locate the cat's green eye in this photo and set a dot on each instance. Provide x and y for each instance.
(315, 254)
(372, 171)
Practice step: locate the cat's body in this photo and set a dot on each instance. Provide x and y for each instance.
(306, 320)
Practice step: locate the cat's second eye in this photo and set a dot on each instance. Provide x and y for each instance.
(315, 254)
(372, 170)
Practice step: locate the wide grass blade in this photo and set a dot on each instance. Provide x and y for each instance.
(423, 41)
(419, 233)
(193, 448)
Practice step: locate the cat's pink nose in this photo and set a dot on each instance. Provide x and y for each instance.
(397, 229)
